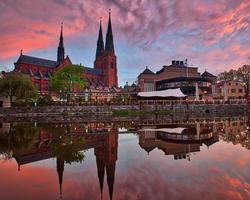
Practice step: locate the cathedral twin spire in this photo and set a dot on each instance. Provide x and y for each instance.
(109, 44)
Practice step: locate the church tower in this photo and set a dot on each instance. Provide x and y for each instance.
(60, 49)
(106, 58)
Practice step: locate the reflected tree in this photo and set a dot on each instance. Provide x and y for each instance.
(64, 145)
(18, 140)
(64, 148)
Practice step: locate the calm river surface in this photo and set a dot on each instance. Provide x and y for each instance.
(197, 159)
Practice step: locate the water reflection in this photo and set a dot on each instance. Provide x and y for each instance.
(178, 140)
(68, 142)
(28, 143)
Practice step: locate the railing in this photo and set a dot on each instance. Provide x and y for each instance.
(186, 102)
(93, 103)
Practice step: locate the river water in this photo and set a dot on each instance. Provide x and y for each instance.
(192, 159)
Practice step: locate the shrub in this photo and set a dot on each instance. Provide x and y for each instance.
(45, 100)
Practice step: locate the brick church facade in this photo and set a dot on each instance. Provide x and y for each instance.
(103, 77)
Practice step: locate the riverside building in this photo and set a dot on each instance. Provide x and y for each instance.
(178, 75)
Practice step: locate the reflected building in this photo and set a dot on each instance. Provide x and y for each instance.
(106, 157)
(4, 128)
(237, 132)
(105, 148)
(177, 140)
(37, 150)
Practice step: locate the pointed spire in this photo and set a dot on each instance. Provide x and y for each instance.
(60, 50)
(61, 29)
(109, 45)
(61, 36)
(100, 43)
(100, 37)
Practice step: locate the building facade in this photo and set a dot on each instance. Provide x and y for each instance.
(103, 76)
(178, 75)
(230, 90)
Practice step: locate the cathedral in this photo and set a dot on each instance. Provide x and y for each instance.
(102, 77)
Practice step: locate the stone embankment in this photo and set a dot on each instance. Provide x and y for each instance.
(199, 108)
(97, 110)
(49, 111)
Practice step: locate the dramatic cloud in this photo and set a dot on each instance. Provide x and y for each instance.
(211, 34)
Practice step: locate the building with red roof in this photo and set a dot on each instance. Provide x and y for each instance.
(103, 76)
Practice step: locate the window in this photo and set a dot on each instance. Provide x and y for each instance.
(148, 87)
(233, 90)
(112, 65)
(240, 90)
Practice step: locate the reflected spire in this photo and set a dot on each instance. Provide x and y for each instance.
(106, 156)
(60, 170)
(101, 172)
(110, 169)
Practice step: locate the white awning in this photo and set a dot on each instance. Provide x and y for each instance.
(163, 93)
(178, 130)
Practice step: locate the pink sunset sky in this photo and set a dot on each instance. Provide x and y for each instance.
(211, 34)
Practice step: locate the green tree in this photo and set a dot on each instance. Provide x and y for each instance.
(15, 84)
(66, 79)
(243, 75)
(228, 75)
(45, 100)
